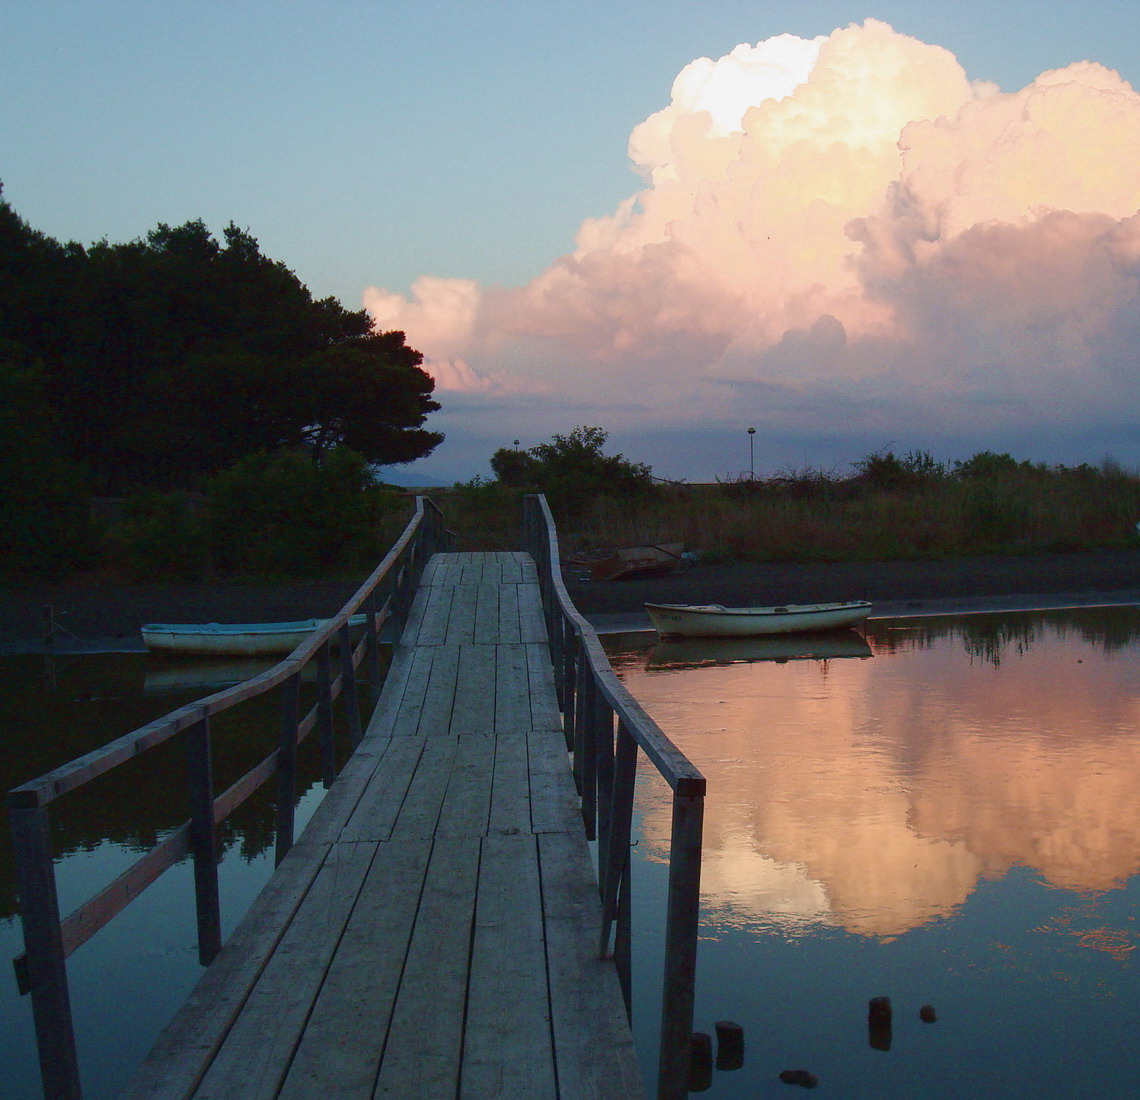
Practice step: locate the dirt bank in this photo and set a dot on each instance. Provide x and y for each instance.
(105, 616)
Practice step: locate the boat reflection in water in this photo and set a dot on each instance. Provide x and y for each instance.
(954, 822)
(812, 645)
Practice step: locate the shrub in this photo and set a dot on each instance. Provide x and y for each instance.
(45, 523)
(572, 470)
(161, 536)
(280, 514)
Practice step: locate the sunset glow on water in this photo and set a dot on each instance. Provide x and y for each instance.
(949, 820)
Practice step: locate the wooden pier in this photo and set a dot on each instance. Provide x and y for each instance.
(434, 930)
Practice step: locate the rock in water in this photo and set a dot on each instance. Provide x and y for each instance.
(799, 1077)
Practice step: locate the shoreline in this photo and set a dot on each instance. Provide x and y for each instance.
(90, 617)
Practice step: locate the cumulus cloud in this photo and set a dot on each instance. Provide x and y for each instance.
(847, 221)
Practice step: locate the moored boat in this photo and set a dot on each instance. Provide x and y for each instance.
(238, 639)
(717, 621)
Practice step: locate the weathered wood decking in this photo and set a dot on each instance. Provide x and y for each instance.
(432, 933)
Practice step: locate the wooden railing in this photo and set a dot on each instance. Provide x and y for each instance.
(48, 940)
(591, 698)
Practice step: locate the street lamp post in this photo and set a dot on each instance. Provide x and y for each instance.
(751, 459)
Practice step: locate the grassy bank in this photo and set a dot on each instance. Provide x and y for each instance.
(888, 509)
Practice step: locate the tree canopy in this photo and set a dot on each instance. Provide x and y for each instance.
(571, 468)
(166, 359)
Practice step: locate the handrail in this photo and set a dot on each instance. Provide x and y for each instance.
(591, 698)
(48, 941)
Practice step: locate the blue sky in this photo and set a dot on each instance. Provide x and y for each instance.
(372, 143)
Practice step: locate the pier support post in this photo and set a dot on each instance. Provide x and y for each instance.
(203, 840)
(43, 945)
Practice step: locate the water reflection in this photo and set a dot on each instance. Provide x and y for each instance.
(695, 652)
(875, 795)
(129, 979)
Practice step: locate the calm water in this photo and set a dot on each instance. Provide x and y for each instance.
(946, 814)
(128, 980)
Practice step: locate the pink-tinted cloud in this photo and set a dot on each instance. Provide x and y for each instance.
(844, 220)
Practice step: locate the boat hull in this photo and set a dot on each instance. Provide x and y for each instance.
(714, 621)
(639, 561)
(234, 639)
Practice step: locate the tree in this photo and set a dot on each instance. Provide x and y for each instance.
(168, 358)
(572, 468)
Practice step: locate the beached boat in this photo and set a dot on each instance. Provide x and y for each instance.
(638, 561)
(237, 639)
(717, 621)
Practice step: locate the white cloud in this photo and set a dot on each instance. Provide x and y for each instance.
(849, 219)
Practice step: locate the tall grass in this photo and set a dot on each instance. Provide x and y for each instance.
(924, 512)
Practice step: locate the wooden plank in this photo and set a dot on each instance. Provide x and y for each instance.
(471, 574)
(433, 628)
(455, 570)
(554, 805)
(375, 813)
(439, 693)
(510, 791)
(342, 1045)
(427, 577)
(506, 1049)
(252, 1059)
(461, 624)
(466, 809)
(422, 1055)
(508, 625)
(423, 801)
(406, 721)
(596, 1062)
(175, 1064)
(511, 568)
(487, 616)
(512, 701)
(493, 570)
(544, 712)
(391, 694)
(416, 614)
(344, 795)
(473, 709)
(532, 623)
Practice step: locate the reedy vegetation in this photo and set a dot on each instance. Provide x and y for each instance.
(885, 507)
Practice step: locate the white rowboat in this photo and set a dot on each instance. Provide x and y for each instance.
(236, 639)
(717, 621)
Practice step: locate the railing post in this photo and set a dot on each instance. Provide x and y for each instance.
(348, 684)
(613, 857)
(585, 750)
(203, 840)
(603, 768)
(43, 946)
(372, 647)
(569, 690)
(325, 716)
(287, 764)
(623, 936)
(556, 633)
(681, 927)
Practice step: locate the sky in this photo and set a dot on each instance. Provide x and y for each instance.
(907, 226)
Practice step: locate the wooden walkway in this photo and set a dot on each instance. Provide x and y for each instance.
(433, 931)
